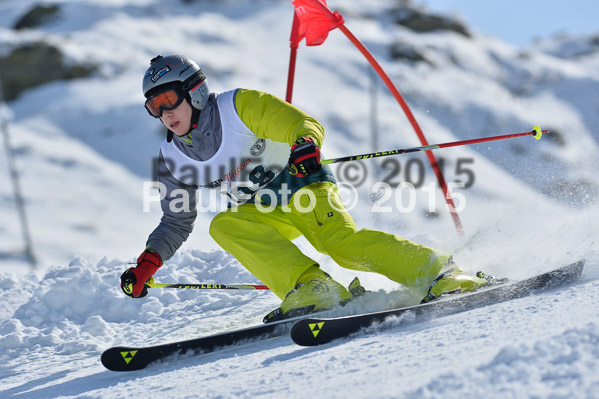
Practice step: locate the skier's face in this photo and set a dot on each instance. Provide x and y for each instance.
(178, 119)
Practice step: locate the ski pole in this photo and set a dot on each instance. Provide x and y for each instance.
(536, 133)
(152, 284)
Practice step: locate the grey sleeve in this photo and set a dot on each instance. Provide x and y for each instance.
(178, 213)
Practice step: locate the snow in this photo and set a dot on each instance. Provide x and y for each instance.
(84, 149)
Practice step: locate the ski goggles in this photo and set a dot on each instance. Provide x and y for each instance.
(164, 101)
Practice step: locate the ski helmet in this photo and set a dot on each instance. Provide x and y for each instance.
(175, 69)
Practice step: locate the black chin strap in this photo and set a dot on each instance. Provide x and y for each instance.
(195, 116)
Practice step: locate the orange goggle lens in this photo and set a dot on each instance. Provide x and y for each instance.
(167, 100)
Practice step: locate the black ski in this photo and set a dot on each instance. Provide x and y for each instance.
(316, 331)
(126, 358)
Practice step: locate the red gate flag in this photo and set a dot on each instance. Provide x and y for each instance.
(315, 22)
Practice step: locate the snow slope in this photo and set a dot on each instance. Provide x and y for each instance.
(84, 149)
(543, 345)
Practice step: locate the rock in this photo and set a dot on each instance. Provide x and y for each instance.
(406, 52)
(38, 15)
(34, 64)
(420, 21)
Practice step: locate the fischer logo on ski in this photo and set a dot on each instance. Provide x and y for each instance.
(316, 327)
(128, 356)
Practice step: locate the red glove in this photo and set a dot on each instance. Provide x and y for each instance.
(305, 157)
(133, 281)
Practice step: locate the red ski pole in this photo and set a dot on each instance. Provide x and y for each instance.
(536, 133)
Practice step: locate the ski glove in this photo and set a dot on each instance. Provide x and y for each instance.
(305, 157)
(133, 281)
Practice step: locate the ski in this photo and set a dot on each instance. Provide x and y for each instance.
(127, 358)
(316, 331)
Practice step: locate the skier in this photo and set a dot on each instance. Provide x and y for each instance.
(276, 152)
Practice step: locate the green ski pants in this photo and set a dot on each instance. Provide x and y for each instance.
(261, 241)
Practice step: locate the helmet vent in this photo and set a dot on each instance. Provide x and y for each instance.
(194, 80)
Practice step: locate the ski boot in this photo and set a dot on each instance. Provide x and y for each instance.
(454, 280)
(315, 291)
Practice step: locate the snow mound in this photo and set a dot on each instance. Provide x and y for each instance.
(74, 293)
(83, 290)
(81, 306)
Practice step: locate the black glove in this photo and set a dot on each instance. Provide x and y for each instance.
(305, 157)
